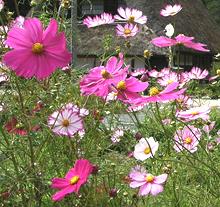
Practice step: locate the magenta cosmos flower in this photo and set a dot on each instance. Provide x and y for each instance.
(127, 90)
(171, 10)
(67, 121)
(129, 30)
(181, 39)
(131, 16)
(100, 79)
(197, 74)
(187, 139)
(194, 113)
(74, 179)
(104, 18)
(36, 52)
(148, 183)
(168, 94)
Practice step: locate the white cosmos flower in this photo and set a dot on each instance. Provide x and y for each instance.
(145, 148)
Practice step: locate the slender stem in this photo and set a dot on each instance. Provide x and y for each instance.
(16, 7)
(15, 165)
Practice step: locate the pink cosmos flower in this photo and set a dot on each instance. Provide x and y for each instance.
(170, 10)
(184, 101)
(116, 137)
(181, 39)
(154, 73)
(104, 18)
(194, 113)
(18, 22)
(129, 30)
(37, 52)
(131, 16)
(209, 127)
(187, 139)
(3, 78)
(138, 72)
(168, 94)
(146, 148)
(127, 89)
(1, 4)
(197, 73)
(166, 121)
(66, 121)
(148, 183)
(81, 111)
(100, 79)
(74, 179)
(168, 79)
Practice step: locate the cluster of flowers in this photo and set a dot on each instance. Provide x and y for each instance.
(133, 17)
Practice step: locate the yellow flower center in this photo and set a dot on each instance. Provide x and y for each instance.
(170, 81)
(121, 86)
(194, 112)
(74, 180)
(188, 140)
(147, 53)
(131, 19)
(127, 31)
(179, 100)
(147, 151)
(105, 74)
(37, 48)
(154, 91)
(65, 123)
(19, 125)
(218, 72)
(149, 178)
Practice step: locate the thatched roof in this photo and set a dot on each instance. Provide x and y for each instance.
(193, 20)
(91, 41)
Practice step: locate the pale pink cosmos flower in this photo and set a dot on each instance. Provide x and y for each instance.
(171, 10)
(168, 79)
(166, 121)
(81, 111)
(100, 79)
(168, 94)
(138, 72)
(116, 137)
(148, 183)
(184, 101)
(18, 22)
(197, 74)
(74, 179)
(187, 139)
(3, 78)
(1, 4)
(104, 18)
(209, 127)
(194, 113)
(126, 31)
(66, 122)
(38, 52)
(154, 73)
(131, 16)
(181, 39)
(128, 89)
(134, 108)
(146, 148)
